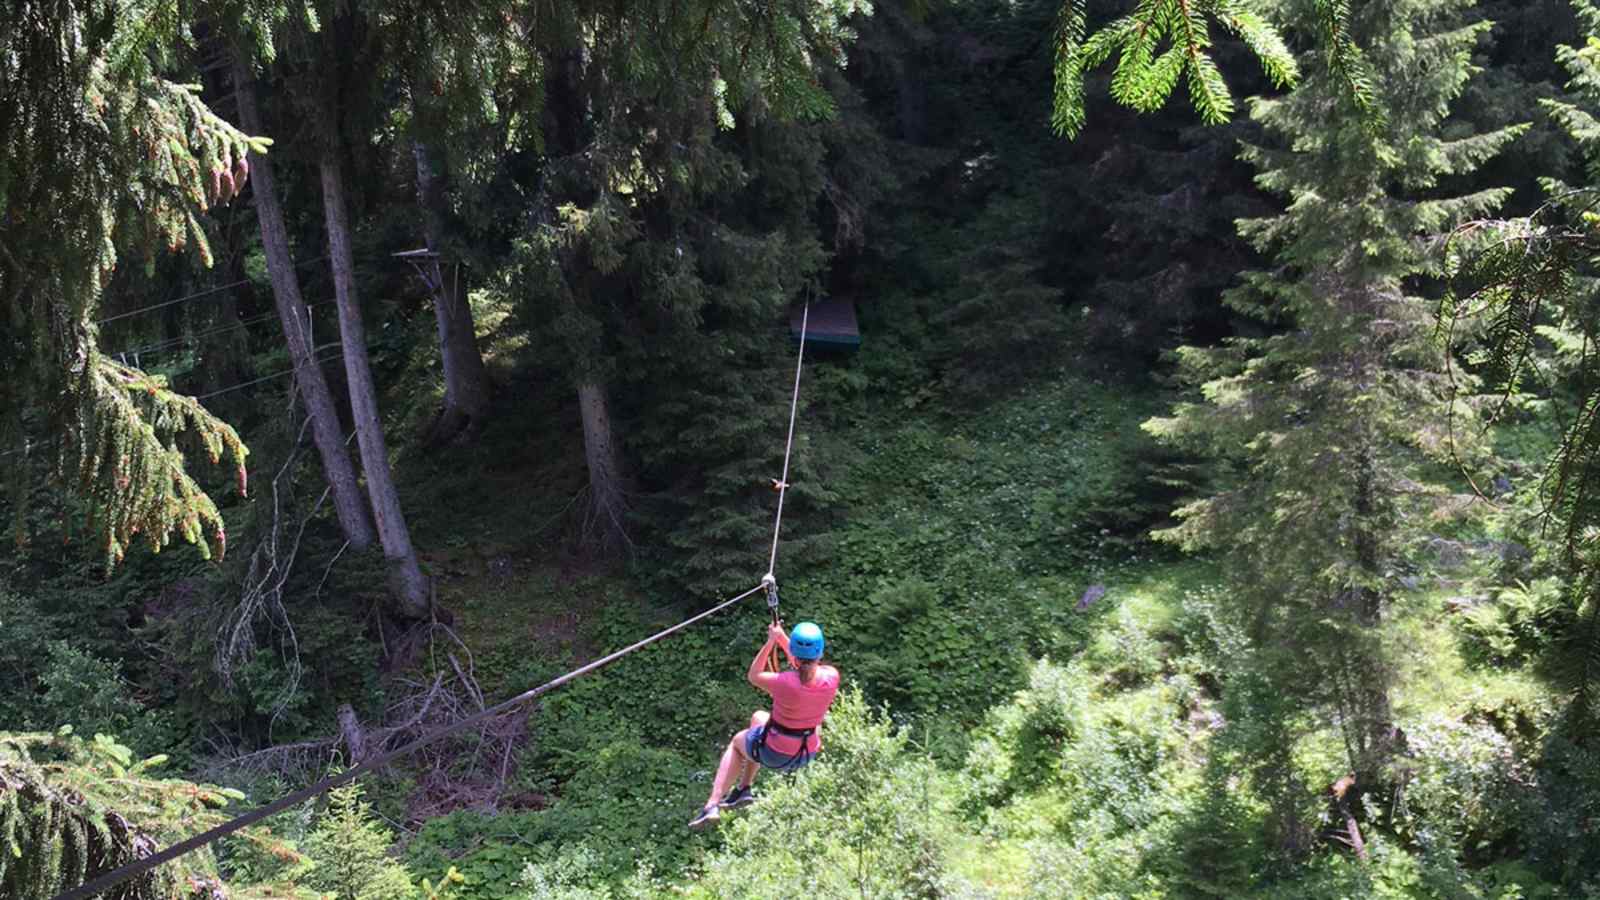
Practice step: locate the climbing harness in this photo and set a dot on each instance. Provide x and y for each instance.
(794, 760)
(769, 584)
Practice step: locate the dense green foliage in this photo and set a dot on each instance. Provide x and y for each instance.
(1170, 543)
(102, 154)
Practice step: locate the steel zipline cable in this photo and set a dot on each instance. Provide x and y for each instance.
(138, 867)
(788, 445)
(196, 295)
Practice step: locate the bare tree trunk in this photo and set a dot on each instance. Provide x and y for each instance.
(466, 381)
(608, 506)
(409, 585)
(337, 467)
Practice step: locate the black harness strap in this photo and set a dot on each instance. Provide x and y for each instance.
(795, 759)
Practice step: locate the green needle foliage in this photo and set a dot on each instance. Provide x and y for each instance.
(1327, 425)
(1162, 42)
(73, 809)
(100, 153)
(1523, 281)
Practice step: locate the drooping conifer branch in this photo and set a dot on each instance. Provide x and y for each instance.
(99, 153)
(72, 809)
(1162, 42)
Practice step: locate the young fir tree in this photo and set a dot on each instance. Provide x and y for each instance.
(1322, 430)
(349, 851)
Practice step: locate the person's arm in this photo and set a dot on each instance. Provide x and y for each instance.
(776, 633)
(758, 674)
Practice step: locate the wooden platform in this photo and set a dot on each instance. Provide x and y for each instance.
(832, 326)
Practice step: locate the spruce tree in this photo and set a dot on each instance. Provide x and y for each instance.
(330, 64)
(1323, 429)
(449, 60)
(628, 255)
(1160, 42)
(101, 153)
(349, 501)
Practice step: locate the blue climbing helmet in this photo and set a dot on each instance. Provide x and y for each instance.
(805, 641)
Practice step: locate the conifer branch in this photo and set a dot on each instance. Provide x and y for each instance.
(102, 151)
(1146, 73)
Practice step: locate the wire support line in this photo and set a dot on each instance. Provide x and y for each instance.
(241, 385)
(197, 295)
(168, 343)
(254, 381)
(141, 866)
(788, 446)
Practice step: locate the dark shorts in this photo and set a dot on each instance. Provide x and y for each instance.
(768, 757)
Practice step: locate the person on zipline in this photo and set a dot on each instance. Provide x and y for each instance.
(790, 735)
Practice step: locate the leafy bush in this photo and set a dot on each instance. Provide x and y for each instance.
(24, 632)
(858, 822)
(90, 695)
(1468, 788)
(626, 806)
(1563, 842)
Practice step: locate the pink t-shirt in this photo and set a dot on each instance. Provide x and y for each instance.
(801, 706)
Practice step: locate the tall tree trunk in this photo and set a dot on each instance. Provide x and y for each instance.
(348, 504)
(409, 586)
(608, 506)
(466, 380)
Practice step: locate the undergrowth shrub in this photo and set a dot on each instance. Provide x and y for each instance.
(1562, 834)
(1090, 785)
(1104, 761)
(1467, 791)
(1517, 627)
(348, 850)
(23, 635)
(626, 805)
(860, 821)
(90, 694)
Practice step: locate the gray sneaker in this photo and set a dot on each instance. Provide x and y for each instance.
(738, 797)
(708, 818)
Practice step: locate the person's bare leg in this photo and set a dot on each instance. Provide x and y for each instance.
(751, 768)
(731, 757)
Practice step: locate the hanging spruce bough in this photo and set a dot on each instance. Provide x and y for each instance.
(98, 154)
(1162, 42)
(73, 809)
(1528, 281)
